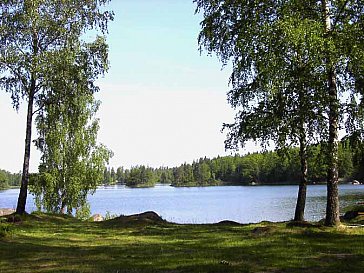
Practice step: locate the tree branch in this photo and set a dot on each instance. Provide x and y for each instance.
(340, 14)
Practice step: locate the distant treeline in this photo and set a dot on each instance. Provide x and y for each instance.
(8, 179)
(268, 167)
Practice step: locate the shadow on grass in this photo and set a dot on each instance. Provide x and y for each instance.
(56, 245)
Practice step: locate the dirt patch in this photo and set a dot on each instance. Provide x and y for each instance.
(262, 230)
(6, 211)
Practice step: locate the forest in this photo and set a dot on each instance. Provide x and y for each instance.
(269, 167)
(8, 179)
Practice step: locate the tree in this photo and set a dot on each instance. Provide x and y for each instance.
(356, 144)
(72, 162)
(35, 37)
(345, 159)
(113, 175)
(286, 54)
(107, 176)
(3, 181)
(120, 177)
(272, 65)
(9, 179)
(205, 173)
(342, 27)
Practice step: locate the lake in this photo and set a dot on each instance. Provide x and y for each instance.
(243, 204)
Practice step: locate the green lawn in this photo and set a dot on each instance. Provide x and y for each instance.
(49, 243)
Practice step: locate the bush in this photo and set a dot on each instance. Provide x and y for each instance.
(109, 216)
(83, 213)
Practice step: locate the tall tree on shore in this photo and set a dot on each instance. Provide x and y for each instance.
(332, 207)
(286, 56)
(34, 35)
(270, 73)
(72, 162)
(344, 66)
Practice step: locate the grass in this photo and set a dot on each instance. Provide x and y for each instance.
(52, 243)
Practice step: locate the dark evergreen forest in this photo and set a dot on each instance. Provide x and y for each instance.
(8, 179)
(269, 167)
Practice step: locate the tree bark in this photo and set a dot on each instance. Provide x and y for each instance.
(301, 198)
(22, 199)
(332, 206)
(63, 201)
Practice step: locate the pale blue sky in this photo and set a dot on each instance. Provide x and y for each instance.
(163, 103)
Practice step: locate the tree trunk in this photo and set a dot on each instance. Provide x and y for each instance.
(332, 206)
(301, 198)
(63, 208)
(22, 199)
(63, 202)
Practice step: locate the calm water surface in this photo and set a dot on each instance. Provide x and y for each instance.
(244, 204)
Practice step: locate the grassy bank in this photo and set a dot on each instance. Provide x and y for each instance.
(48, 243)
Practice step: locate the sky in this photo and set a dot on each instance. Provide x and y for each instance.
(163, 101)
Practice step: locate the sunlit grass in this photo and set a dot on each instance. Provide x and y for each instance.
(49, 243)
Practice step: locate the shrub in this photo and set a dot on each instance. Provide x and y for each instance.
(84, 212)
(109, 216)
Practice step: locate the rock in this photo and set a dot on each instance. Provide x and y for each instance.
(349, 215)
(353, 212)
(228, 223)
(145, 217)
(148, 215)
(6, 211)
(97, 218)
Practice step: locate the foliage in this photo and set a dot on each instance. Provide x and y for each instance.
(292, 62)
(39, 42)
(59, 243)
(8, 179)
(84, 212)
(72, 162)
(109, 216)
(3, 181)
(261, 168)
(356, 145)
(140, 176)
(110, 177)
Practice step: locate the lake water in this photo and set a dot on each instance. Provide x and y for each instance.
(244, 204)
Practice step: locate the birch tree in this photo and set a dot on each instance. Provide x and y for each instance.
(33, 37)
(289, 58)
(72, 162)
